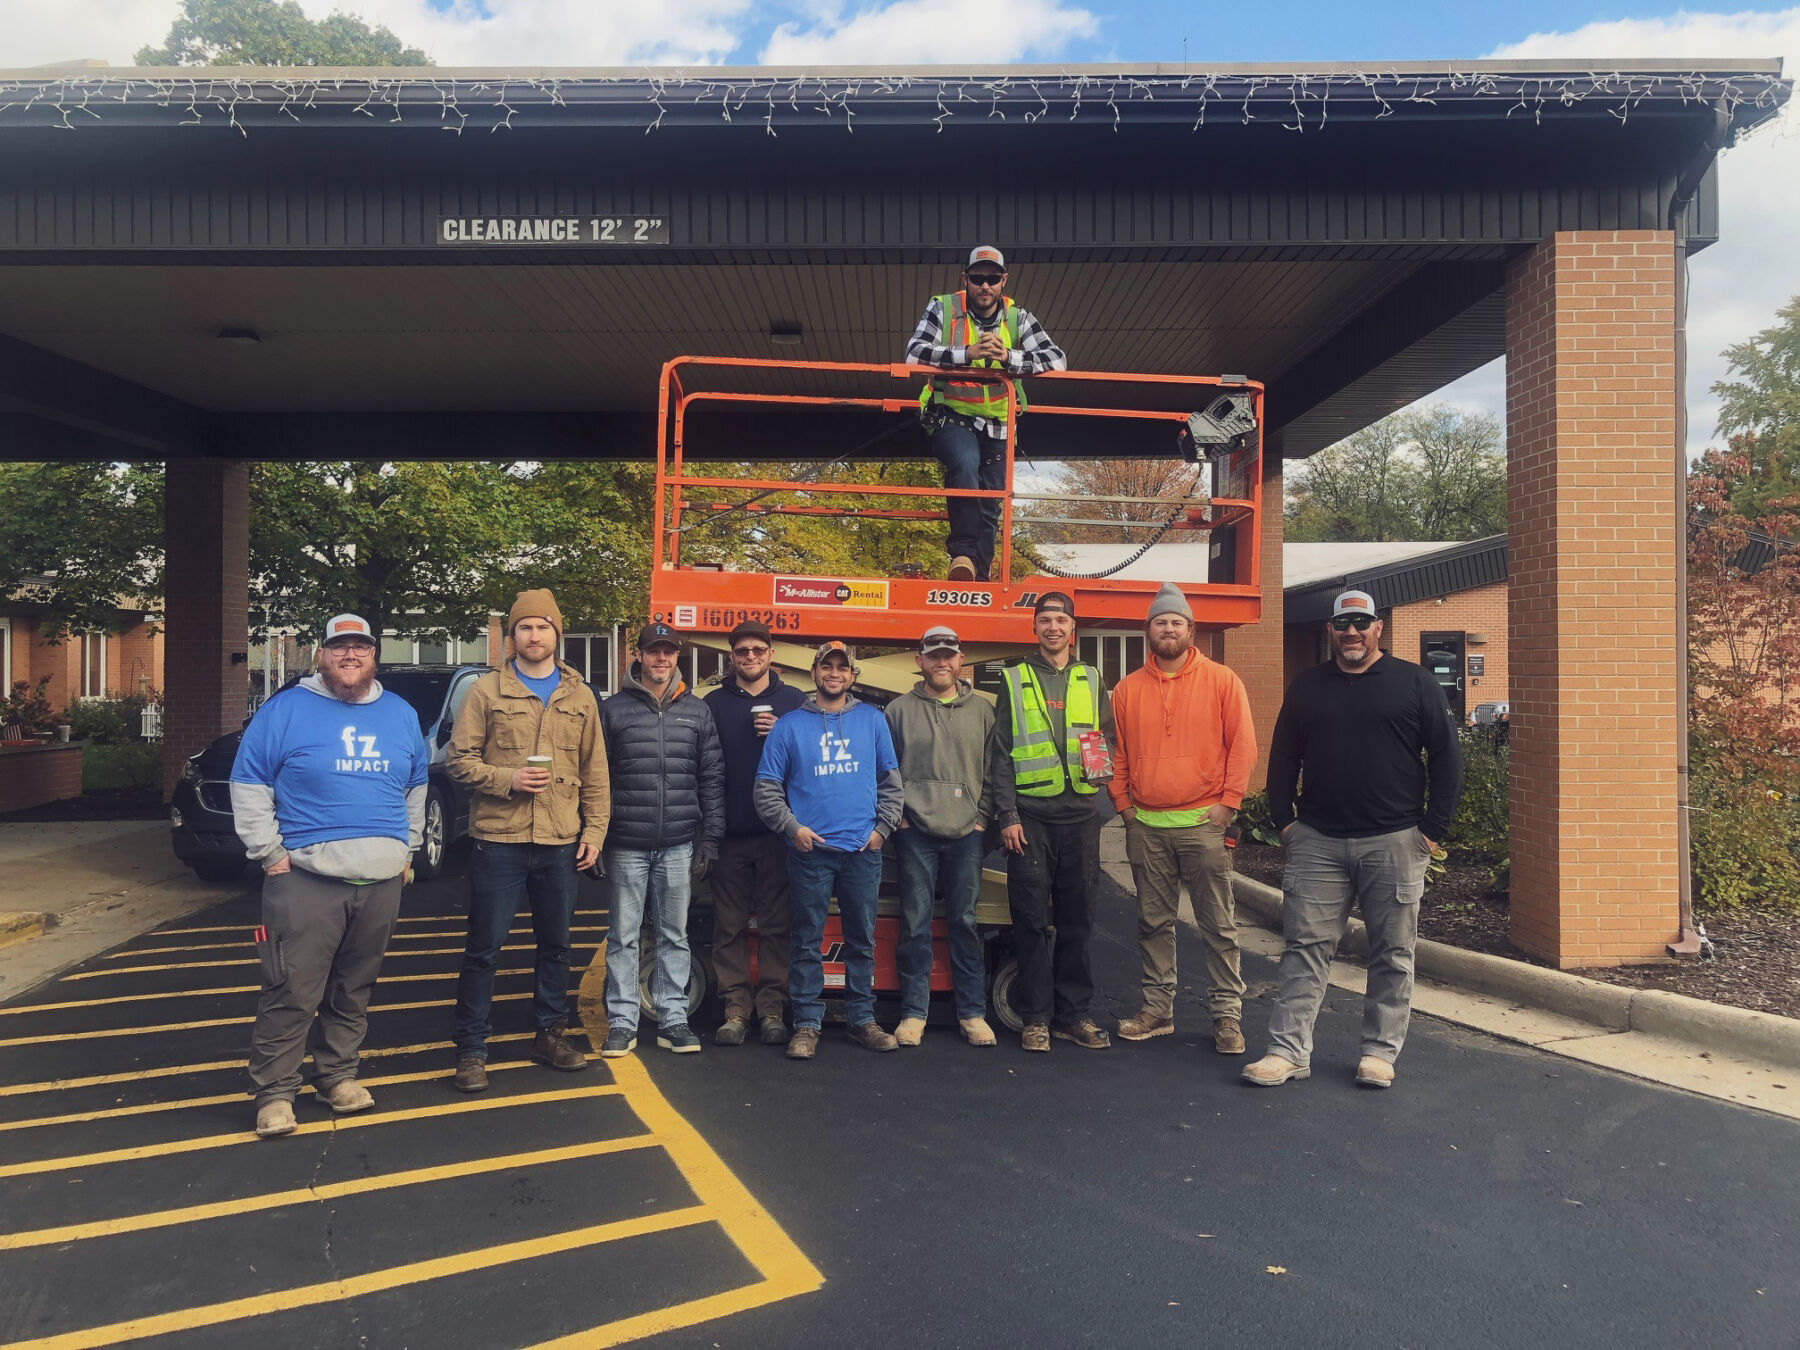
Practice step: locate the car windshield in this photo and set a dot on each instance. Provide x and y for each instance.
(424, 689)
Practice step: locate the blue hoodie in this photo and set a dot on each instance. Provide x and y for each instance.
(835, 773)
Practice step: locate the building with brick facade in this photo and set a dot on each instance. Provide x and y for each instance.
(125, 658)
(272, 272)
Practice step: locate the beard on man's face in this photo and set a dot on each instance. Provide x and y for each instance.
(349, 684)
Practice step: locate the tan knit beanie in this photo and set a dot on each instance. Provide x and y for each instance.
(535, 605)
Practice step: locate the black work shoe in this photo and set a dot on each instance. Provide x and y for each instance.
(471, 1075)
(619, 1043)
(679, 1038)
(774, 1031)
(732, 1031)
(552, 1048)
(1084, 1033)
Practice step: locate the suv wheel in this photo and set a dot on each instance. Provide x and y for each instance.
(430, 859)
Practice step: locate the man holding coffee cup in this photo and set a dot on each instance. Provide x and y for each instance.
(750, 878)
(528, 745)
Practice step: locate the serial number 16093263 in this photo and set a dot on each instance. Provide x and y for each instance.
(940, 596)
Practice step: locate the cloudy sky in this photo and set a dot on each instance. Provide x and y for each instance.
(1737, 285)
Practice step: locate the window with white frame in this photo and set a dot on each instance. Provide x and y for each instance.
(1115, 654)
(592, 655)
(93, 665)
(433, 650)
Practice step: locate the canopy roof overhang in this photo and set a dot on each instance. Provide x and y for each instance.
(1340, 234)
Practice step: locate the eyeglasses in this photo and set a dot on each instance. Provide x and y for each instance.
(757, 650)
(1360, 622)
(986, 278)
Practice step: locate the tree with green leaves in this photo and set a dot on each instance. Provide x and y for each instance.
(80, 539)
(1760, 410)
(274, 33)
(1431, 472)
(431, 548)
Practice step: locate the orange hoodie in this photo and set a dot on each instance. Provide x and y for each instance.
(1184, 740)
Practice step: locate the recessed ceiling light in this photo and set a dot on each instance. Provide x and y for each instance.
(786, 334)
(238, 335)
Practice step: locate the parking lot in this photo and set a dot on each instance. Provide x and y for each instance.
(941, 1196)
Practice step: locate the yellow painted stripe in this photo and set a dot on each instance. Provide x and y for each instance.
(212, 1022)
(251, 961)
(250, 1204)
(673, 1318)
(178, 1070)
(250, 927)
(239, 946)
(222, 990)
(212, 1141)
(356, 1286)
(153, 1108)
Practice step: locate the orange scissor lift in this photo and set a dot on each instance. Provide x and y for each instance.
(994, 618)
(895, 610)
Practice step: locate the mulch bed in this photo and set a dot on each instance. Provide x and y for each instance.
(1756, 961)
(111, 804)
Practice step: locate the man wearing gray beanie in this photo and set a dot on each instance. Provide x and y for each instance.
(1185, 749)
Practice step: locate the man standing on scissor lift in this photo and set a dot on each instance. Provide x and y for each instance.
(978, 327)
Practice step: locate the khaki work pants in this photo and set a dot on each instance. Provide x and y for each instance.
(1162, 861)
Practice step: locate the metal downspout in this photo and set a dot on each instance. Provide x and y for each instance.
(1692, 174)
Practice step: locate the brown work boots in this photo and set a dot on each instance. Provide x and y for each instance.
(552, 1047)
(870, 1036)
(804, 1043)
(470, 1075)
(1228, 1036)
(1084, 1033)
(1146, 1025)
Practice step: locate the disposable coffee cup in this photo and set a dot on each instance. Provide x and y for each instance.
(757, 710)
(543, 762)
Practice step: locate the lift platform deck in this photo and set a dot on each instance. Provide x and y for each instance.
(699, 487)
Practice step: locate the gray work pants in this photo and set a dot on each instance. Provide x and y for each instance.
(1384, 876)
(321, 946)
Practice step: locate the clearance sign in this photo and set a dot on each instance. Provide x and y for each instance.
(832, 592)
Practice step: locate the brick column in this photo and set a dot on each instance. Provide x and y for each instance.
(1590, 434)
(206, 587)
(1255, 652)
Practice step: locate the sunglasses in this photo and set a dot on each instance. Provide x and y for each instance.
(750, 651)
(1360, 622)
(986, 278)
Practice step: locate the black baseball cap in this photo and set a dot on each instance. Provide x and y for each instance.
(1053, 602)
(657, 634)
(751, 628)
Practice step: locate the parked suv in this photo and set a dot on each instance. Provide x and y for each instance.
(200, 819)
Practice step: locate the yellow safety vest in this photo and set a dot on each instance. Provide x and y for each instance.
(976, 398)
(1037, 768)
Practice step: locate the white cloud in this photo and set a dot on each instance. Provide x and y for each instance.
(491, 33)
(920, 32)
(1737, 284)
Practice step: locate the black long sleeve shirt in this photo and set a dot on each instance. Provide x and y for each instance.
(1358, 739)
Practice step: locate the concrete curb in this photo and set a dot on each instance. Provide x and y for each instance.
(23, 925)
(1676, 1017)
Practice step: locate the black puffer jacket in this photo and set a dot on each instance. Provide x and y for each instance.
(668, 773)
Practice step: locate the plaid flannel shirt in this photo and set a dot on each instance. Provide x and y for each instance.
(1035, 353)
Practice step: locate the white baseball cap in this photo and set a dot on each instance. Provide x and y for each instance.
(986, 253)
(348, 626)
(1355, 602)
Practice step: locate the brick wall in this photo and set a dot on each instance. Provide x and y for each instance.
(134, 659)
(206, 517)
(1482, 610)
(1255, 651)
(34, 775)
(1590, 392)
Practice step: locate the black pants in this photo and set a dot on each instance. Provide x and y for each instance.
(1050, 887)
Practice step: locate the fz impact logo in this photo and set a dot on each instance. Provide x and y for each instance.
(360, 754)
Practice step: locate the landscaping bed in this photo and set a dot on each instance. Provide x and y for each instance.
(1756, 961)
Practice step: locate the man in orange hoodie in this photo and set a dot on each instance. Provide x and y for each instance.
(1185, 750)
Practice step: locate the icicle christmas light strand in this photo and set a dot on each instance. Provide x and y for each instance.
(1298, 102)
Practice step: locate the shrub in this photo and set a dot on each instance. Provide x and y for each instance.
(1481, 828)
(28, 708)
(1253, 819)
(1743, 830)
(134, 769)
(108, 721)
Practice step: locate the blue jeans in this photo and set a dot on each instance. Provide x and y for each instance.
(501, 877)
(971, 459)
(812, 879)
(927, 865)
(657, 882)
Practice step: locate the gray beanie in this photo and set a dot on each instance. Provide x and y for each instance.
(1169, 600)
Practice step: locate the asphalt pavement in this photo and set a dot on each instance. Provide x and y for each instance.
(948, 1196)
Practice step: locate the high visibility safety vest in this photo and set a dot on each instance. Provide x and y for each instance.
(975, 398)
(1038, 769)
